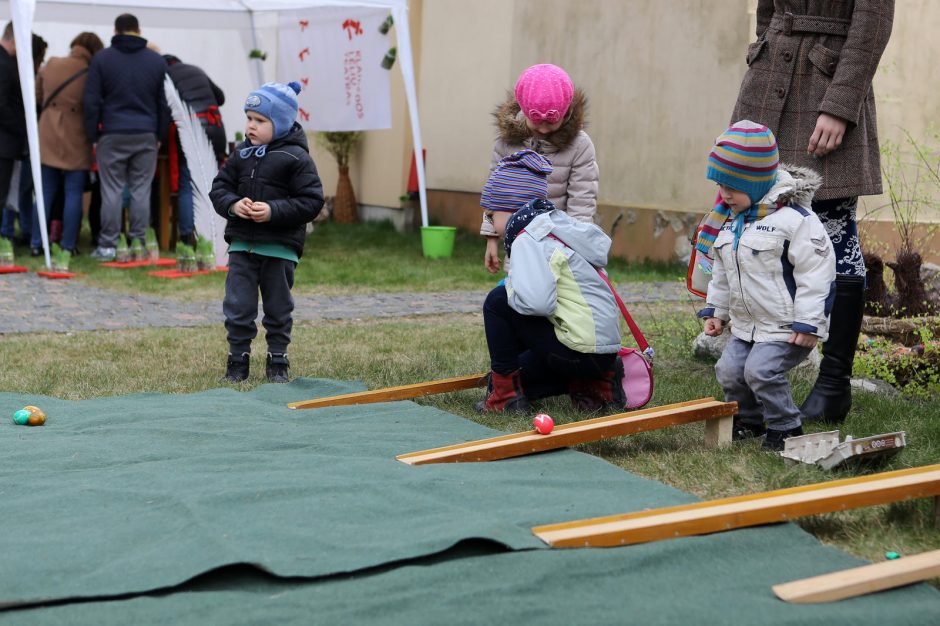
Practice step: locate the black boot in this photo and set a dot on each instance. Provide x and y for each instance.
(742, 431)
(831, 397)
(276, 367)
(775, 441)
(236, 369)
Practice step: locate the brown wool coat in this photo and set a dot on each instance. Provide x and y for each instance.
(62, 140)
(795, 72)
(572, 185)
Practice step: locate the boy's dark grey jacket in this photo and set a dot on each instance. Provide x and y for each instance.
(285, 177)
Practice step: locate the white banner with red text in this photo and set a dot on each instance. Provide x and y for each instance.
(336, 54)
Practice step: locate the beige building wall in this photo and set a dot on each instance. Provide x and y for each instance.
(906, 90)
(657, 99)
(661, 78)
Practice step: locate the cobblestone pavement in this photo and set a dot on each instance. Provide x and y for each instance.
(29, 304)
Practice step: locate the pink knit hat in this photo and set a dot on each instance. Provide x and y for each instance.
(544, 93)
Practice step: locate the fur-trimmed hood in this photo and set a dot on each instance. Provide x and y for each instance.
(511, 127)
(794, 185)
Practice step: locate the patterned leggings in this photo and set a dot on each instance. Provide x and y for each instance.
(838, 218)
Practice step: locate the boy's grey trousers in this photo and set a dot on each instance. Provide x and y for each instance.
(755, 376)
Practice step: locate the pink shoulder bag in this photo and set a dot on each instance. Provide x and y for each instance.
(637, 364)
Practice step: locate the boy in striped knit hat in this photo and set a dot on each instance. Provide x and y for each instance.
(773, 278)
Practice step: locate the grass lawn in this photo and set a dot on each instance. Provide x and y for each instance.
(373, 257)
(344, 259)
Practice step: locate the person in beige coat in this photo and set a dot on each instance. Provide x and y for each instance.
(809, 80)
(64, 148)
(546, 114)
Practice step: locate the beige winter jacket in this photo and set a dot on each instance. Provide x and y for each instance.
(572, 185)
(62, 140)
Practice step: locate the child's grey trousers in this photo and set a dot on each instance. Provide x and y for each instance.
(754, 374)
(247, 275)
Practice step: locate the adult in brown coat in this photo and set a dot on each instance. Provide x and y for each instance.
(809, 80)
(64, 147)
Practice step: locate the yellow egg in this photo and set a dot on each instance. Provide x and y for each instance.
(35, 410)
(37, 420)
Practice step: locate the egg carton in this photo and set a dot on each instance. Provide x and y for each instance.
(825, 450)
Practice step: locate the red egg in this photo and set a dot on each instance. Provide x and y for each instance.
(543, 423)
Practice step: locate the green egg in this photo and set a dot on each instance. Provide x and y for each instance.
(21, 417)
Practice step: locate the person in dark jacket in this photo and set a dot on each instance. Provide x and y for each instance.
(125, 116)
(25, 207)
(204, 97)
(268, 190)
(13, 120)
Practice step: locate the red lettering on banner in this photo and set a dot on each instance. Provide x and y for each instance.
(304, 53)
(304, 114)
(352, 75)
(304, 24)
(305, 82)
(352, 27)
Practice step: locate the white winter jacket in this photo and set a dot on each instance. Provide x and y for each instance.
(782, 276)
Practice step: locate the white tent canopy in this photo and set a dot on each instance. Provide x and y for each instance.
(204, 15)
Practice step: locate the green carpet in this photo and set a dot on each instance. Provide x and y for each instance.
(132, 494)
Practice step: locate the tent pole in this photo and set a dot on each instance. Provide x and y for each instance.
(259, 70)
(400, 15)
(22, 13)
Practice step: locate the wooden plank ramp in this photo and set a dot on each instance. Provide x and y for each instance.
(751, 510)
(861, 580)
(405, 392)
(529, 442)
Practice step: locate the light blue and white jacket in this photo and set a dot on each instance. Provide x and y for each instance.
(553, 275)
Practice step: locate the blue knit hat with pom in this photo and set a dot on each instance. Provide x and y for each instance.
(278, 103)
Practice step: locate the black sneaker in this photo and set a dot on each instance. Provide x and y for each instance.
(774, 440)
(236, 369)
(742, 431)
(275, 368)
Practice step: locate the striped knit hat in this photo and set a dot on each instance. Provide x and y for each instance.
(745, 158)
(518, 178)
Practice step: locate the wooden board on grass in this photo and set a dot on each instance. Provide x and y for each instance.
(861, 580)
(584, 431)
(751, 510)
(388, 394)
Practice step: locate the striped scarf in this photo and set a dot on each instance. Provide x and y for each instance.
(720, 214)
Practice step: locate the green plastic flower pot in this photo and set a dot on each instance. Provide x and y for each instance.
(438, 241)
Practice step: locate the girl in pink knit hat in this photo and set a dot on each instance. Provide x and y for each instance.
(546, 113)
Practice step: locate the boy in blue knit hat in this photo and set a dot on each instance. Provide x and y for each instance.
(268, 190)
(773, 278)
